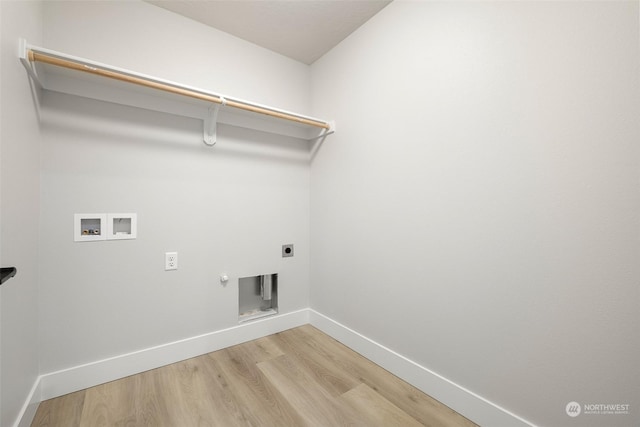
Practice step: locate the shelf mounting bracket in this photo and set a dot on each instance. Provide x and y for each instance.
(211, 123)
(325, 132)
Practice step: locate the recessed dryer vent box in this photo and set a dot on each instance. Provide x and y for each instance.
(122, 226)
(89, 227)
(258, 297)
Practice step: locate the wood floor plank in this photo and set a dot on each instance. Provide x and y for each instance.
(262, 404)
(150, 402)
(262, 349)
(110, 404)
(184, 387)
(66, 410)
(375, 410)
(316, 406)
(226, 407)
(299, 377)
(324, 371)
(419, 405)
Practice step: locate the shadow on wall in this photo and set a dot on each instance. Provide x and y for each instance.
(103, 122)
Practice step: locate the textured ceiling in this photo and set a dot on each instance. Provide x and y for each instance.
(303, 30)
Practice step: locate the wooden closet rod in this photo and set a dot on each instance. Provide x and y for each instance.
(48, 59)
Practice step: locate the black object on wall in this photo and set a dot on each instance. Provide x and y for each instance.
(7, 273)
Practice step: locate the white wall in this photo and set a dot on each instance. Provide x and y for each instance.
(224, 210)
(478, 211)
(20, 199)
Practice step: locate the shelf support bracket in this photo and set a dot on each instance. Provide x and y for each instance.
(23, 48)
(325, 132)
(211, 125)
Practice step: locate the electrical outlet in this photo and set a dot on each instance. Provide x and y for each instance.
(171, 260)
(287, 250)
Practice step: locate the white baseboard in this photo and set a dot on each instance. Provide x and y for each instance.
(91, 374)
(28, 411)
(463, 401)
(467, 403)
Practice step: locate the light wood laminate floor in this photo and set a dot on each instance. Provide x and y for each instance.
(299, 377)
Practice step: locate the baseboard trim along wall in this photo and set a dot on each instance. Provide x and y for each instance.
(76, 378)
(80, 377)
(463, 401)
(28, 411)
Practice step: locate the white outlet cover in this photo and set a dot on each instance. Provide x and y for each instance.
(171, 261)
